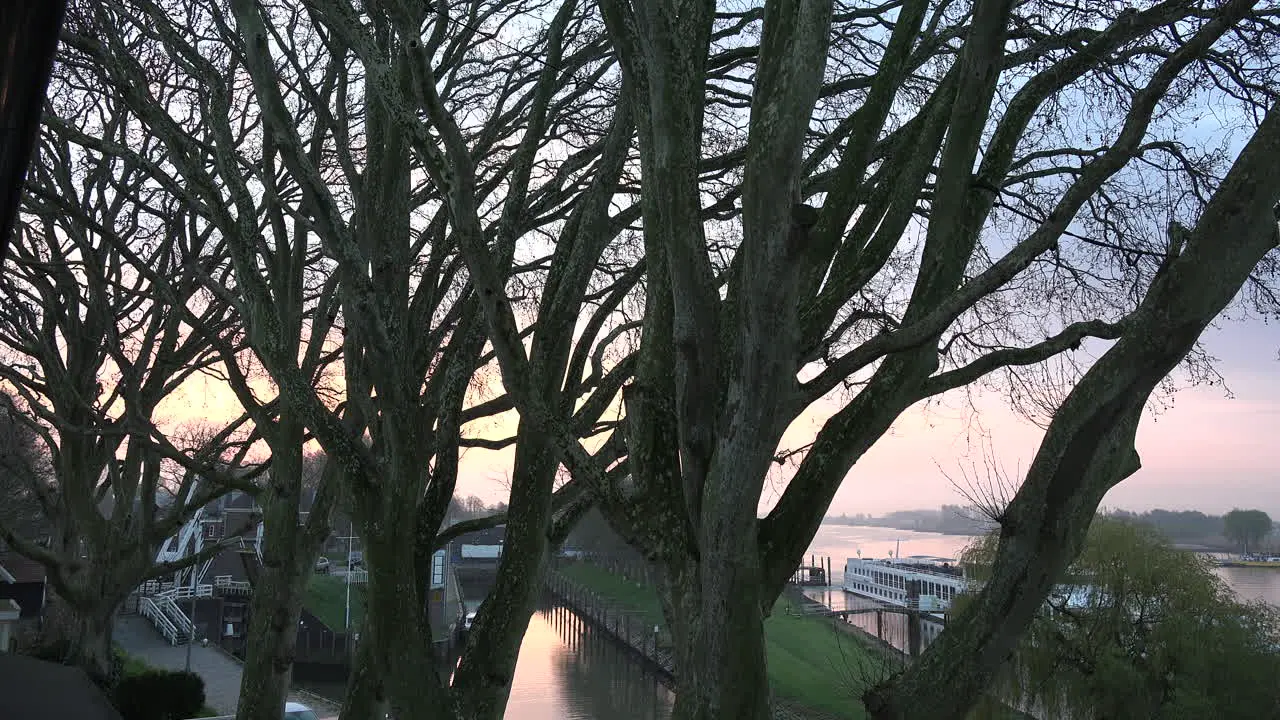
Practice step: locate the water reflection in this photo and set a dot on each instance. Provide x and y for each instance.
(569, 670)
(1252, 583)
(841, 542)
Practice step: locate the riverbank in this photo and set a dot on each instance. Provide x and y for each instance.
(816, 672)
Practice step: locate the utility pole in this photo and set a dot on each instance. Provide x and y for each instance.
(346, 627)
(191, 638)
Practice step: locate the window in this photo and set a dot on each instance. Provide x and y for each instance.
(437, 569)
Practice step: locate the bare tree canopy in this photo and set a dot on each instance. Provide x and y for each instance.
(329, 237)
(863, 204)
(996, 186)
(92, 349)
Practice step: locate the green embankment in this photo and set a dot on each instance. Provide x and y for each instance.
(812, 664)
(327, 600)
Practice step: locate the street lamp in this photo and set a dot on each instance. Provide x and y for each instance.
(346, 624)
(346, 576)
(192, 637)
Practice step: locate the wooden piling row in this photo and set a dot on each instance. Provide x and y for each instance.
(647, 641)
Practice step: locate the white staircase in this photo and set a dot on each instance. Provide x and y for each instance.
(170, 620)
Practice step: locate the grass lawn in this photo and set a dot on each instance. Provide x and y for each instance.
(811, 663)
(131, 665)
(638, 599)
(327, 600)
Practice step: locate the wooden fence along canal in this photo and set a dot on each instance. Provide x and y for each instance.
(647, 641)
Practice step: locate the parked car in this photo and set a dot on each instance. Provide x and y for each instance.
(355, 561)
(292, 711)
(471, 617)
(298, 711)
(323, 565)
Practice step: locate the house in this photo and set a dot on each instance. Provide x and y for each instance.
(23, 593)
(226, 514)
(479, 547)
(23, 581)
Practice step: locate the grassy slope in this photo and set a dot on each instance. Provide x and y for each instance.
(810, 663)
(327, 600)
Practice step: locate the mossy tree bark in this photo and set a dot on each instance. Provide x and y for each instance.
(290, 547)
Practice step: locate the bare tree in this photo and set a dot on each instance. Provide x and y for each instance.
(1022, 228)
(448, 131)
(1089, 446)
(21, 459)
(302, 310)
(272, 131)
(92, 351)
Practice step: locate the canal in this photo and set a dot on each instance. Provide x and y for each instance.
(567, 670)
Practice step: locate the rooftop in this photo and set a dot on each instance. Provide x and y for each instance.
(21, 568)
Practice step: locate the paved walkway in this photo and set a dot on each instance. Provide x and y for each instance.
(221, 672)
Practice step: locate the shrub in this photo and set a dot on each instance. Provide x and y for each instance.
(160, 695)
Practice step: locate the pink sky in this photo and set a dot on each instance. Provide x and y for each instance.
(1207, 452)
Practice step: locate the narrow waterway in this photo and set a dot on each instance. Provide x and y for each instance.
(567, 670)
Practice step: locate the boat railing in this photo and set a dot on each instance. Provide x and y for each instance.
(954, 574)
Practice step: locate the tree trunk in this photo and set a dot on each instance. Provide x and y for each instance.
(718, 629)
(89, 640)
(273, 635)
(289, 552)
(1089, 446)
(365, 694)
(482, 684)
(395, 612)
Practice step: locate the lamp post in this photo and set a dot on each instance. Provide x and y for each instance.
(192, 637)
(346, 625)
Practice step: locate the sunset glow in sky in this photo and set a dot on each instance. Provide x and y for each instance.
(1207, 452)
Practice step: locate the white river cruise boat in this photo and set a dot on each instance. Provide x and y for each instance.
(918, 581)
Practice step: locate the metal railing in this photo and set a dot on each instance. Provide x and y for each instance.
(182, 592)
(154, 587)
(151, 610)
(357, 577)
(163, 612)
(227, 584)
(186, 628)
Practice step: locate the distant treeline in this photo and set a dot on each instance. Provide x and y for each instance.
(949, 519)
(1191, 528)
(1181, 527)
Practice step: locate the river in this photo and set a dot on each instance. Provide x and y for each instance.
(841, 542)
